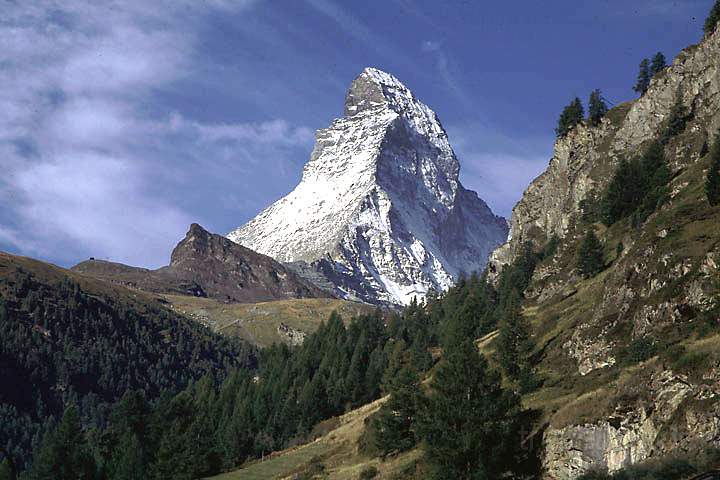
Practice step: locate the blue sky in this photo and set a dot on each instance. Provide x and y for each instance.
(123, 122)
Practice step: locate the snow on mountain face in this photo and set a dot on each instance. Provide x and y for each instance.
(380, 211)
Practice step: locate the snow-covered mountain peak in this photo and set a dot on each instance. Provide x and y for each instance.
(380, 209)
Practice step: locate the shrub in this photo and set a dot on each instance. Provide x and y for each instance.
(368, 473)
(590, 259)
(638, 351)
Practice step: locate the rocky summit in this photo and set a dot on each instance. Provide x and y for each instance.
(209, 265)
(380, 213)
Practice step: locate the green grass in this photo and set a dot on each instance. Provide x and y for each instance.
(278, 466)
(258, 322)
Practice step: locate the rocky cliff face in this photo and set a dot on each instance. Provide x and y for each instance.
(657, 300)
(583, 160)
(380, 212)
(209, 265)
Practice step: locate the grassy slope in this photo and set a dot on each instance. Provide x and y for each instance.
(259, 322)
(336, 449)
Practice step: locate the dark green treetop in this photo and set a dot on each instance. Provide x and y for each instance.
(712, 182)
(712, 19)
(590, 259)
(571, 115)
(643, 79)
(658, 64)
(597, 108)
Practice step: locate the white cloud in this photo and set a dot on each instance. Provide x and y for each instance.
(87, 169)
(274, 131)
(498, 167)
(444, 70)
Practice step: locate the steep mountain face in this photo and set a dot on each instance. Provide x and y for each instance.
(629, 356)
(379, 212)
(209, 265)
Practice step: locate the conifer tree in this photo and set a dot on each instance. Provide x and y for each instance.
(571, 115)
(713, 19)
(597, 108)
(398, 359)
(658, 64)
(677, 119)
(469, 422)
(712, 182)
(643, 80)
(64, 454)
(396, 420)
(590, 256)
(514, 344)
(6, 470)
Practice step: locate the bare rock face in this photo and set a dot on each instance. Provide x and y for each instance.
(209, 265)
(673, 415)
(380, 212)
(585, 159)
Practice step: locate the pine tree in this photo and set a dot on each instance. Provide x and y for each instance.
(128, 459)
(590, 256)
(643, 80)
(712, 182)
(571, 115)
(64, 453)
(597, 108)
(622, 194)
(712, 19)
(7, 467)
(394, 423)
(397, 359)
(677, 118)
(658, 64)
(514, 344)
(469, 422)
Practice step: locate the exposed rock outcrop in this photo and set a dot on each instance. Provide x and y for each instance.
(209, 265)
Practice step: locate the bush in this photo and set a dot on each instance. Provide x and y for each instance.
(638, 351)
(672, 354)
(691, 362)
(590, 257)
(368, 473)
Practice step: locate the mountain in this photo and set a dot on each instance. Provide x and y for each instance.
(204, 264)
(380, 212)
(628, 356)
(69, 338)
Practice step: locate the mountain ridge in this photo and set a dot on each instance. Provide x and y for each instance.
(209, 265)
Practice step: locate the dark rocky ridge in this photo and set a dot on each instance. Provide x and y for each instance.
(209, 265)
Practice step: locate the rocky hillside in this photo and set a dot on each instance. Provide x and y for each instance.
(209, 265)
(379, 212)
(628, 357)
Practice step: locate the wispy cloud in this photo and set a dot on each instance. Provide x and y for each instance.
(497, 166)
(444, 70)
(88, 168)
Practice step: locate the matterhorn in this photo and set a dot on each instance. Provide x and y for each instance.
(380, 214)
